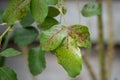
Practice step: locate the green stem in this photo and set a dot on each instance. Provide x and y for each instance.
(3, 34)
(101, 46)
(60, 5)
(85, 60)
(25, 52)
(89, 67)
(101, 49)
(3, 24)
(7, 37)
(110, 48)
(79, 11)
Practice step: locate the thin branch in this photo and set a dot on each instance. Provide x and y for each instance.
(79, 12)
(2, 59)
(3, 34)
(110, 48)
(85, 60)
(3, 24)
(25, 52)
(60, 5)
(89, 67)
(101, 50)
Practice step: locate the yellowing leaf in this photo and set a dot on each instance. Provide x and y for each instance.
(50, 39)
(69, 56)
(16, 10)
(81, 35)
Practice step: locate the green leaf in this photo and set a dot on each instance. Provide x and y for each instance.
(1, 13)
(10, 52)
(7, 74)
(25, 36)
(64, 10)
(39, 10)
(52, 2)
(27, 21)
(69, 56)
(81, 35)
(52, 38)
(16, 10)
(53, 11)
(91, 9)
(48, 23)
(36, 60)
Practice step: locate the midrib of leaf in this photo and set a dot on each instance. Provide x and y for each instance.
(6, 74)
(47, 42)
(38, 15)
(24, 3)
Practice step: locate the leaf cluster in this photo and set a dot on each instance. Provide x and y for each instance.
(64, 41)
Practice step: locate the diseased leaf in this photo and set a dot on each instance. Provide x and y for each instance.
(25, 36)
(39, 10)
(7, 74)
(36, 61)
(52, 2)
(91, 9)
(27, 21)
(69, 56)
(10, 52)
(48, 23)
(81, 35)
(52, 38)
(16, 10)
(53, 11)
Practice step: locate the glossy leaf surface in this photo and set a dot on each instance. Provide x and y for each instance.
(7, 74)
(91, 9)
(53, 11)
(16, 10)
(39, 10)
(36, 61)
(48, 23)
(69, 56)
(52, 38)
(27, 21)
(25, 36)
